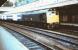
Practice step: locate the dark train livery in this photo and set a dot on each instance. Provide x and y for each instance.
(47, 19)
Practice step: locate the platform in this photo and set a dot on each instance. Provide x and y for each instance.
(70, 24)
(9, 42)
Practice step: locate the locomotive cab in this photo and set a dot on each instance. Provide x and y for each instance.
(52, 19)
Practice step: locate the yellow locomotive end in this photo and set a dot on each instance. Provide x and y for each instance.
(52, 19)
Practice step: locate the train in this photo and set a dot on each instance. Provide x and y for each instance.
(48, 19)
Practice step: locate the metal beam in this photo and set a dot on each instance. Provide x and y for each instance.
(35, 6)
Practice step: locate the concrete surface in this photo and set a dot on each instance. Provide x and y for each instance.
(9, 42)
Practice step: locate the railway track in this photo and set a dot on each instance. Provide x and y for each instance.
(63, 42)
(68, 29)
(29, 43)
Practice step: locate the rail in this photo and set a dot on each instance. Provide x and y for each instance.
(61, 41)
